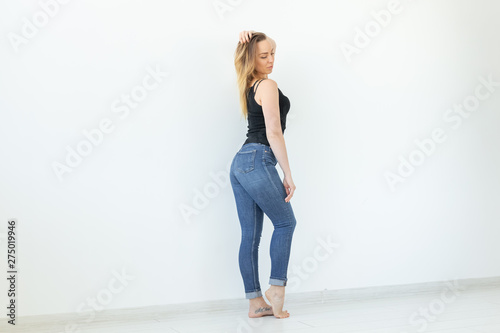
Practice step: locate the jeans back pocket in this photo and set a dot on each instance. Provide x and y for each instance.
(245, 161)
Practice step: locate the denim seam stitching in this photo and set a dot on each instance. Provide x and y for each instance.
(253, 242)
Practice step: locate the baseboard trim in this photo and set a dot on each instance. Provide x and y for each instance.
(397, 290)
(340, 295)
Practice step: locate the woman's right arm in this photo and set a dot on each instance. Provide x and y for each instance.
(269, 98)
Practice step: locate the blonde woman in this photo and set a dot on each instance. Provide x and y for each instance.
(255, 181)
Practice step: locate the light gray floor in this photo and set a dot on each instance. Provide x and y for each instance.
(468, 311)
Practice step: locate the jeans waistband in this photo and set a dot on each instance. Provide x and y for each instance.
(255, 145)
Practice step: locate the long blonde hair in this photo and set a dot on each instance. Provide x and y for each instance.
(244, 62)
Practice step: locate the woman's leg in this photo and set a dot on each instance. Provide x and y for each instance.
(251, 230)
(283, 219)
(251, 219)
(254, 169)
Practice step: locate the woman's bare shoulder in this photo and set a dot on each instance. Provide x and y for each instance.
(269, 84)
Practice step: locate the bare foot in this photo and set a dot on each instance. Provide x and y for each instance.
(276, 296)
(259, 308)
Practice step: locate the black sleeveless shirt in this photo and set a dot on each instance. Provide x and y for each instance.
(256, 124)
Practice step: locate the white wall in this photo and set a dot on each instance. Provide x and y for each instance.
(349, 123)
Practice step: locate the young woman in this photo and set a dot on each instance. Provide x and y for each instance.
(256, 184)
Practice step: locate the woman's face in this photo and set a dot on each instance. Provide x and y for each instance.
(265, 56)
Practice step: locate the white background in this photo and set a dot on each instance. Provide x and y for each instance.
(153, 198)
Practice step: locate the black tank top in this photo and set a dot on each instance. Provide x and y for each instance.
(256, 124)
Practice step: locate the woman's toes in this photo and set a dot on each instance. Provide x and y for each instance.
(284, 314)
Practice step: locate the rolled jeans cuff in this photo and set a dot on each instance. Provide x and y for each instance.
(253, 294)
(276, 282)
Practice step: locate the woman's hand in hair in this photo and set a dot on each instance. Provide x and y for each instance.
(245, 36)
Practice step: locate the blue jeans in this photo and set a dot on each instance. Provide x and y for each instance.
(258, 189)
